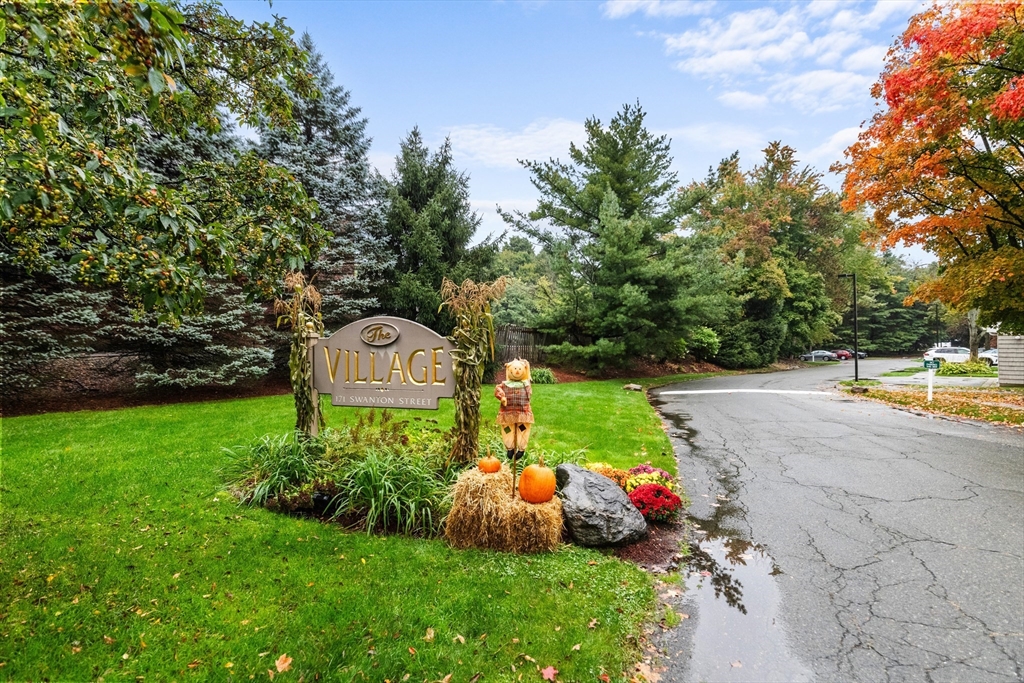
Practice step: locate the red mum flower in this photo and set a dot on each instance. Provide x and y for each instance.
(655, 502)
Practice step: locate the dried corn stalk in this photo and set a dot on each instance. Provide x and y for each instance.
(473, 337)
(302, 312)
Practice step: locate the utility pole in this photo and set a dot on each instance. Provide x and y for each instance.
(856, 349)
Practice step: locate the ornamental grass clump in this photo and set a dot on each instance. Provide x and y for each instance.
(392, 492)
(655, 502)
(272, 465)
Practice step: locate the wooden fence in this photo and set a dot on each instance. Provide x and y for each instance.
(513, 341)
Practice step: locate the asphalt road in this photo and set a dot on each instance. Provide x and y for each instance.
(842, 540)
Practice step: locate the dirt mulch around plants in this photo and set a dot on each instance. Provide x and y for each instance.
(660, 551)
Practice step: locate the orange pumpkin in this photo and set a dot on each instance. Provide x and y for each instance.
(537, 483)
(489, 465)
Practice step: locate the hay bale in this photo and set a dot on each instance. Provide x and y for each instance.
(485, 515)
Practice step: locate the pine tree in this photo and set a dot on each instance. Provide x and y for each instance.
(428, 226)
(327, 153)
(619, 292)
(45, 317)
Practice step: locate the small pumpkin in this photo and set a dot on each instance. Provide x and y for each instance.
(489, 465)
(537, 483)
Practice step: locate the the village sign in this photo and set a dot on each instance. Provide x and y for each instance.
(384, 361)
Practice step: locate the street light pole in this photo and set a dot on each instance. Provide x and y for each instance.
(856, 349)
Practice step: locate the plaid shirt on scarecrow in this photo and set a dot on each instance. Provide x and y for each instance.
(517, 407)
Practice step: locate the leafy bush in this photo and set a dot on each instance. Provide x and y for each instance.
(394, 492)
(977, 367)
(637, 480)
(620, 477)
(704, 343)
(543, 376)
(655, 502)
(647, 468)
(271, 465)
(594, 357)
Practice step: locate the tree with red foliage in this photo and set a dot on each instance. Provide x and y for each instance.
(942, 163)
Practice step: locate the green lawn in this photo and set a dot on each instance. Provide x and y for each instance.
(905, 372)
(121, 557)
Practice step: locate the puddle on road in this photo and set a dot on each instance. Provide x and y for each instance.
(734, 630)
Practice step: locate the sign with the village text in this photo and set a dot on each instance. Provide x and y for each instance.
(386, 362)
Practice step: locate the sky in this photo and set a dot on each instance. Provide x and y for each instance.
(511, 80)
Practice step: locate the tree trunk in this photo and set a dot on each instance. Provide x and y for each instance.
(973, 332)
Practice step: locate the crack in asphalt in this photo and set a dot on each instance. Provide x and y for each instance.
(899, 560)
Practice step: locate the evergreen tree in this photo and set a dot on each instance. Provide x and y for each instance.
(428, 226)
(327, 153)
(618, 288)
(45, 317)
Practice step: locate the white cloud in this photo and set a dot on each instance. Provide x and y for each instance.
(718, 136)
(616, 9)
(812, 56)
(491, 224)
(831, 151)
(870, 58)
(821, 90)
(883, 11)
(740, 99)
(501, 148)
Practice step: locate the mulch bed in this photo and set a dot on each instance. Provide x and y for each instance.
(660, 551)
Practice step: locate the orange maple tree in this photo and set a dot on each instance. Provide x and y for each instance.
(941, 164)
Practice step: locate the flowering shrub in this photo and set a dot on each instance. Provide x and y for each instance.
(655, 502)
(638, 480)
(620, 477)
(646, 468)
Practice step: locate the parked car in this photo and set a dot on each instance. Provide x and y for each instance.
(843, 354)
(819, 356)
(949, 354)
(860, 354)
(991, 356)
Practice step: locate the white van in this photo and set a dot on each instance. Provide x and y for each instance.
(950, 354)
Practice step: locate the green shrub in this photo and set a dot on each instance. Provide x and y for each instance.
(271, 465)
(542, 376)
(966, 368)
(704, 343)
(393, 492)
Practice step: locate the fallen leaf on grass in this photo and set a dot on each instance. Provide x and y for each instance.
(430, 635)
(263, 654)
(577, 646)
(476, 677)
(412, 651)
(283, 663)
(447, 679)
(108, 640)
(75, 650)
(194, 663)
(529, 659)
(228, 665)
(604, 678)
(270, 672)
(593, 623)
(549, 673)
(459, 638)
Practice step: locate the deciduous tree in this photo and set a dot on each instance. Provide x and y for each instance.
(81, 84)
(941, 164)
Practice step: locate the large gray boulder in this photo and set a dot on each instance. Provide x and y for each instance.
(596, 511)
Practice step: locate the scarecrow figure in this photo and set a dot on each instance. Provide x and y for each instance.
(515, 416)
